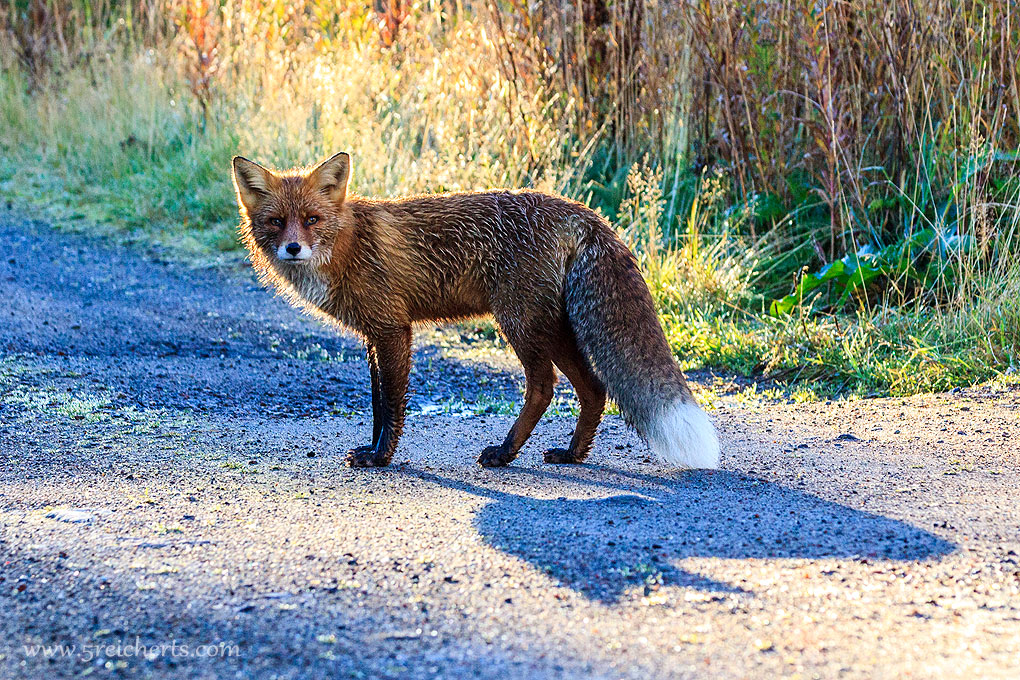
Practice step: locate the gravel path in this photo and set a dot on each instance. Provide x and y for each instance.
(174, 503)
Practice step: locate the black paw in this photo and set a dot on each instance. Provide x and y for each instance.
(367, 456)
(562, 457)
(494, 456)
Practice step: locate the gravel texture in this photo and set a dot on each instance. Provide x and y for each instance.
(174, 503)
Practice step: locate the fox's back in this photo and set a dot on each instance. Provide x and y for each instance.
(489, 223)
(465, 252)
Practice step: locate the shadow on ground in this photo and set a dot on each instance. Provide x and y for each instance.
(603, 546)
(97, 320)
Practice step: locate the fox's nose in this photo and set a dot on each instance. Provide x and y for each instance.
(294, 248)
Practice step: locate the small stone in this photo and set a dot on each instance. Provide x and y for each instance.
(74, 515)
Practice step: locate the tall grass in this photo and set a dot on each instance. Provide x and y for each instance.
(742, 148)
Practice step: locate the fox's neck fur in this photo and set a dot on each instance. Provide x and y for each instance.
(354, 266)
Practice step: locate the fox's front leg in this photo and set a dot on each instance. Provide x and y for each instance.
(377, 407)
(373, 370)
(377, 418)
(393, 364)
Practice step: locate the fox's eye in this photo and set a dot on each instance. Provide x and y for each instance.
(276, 221)
(311, 220)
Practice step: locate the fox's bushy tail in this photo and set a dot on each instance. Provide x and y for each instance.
(613, 318)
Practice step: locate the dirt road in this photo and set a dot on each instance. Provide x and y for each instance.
(174, 503)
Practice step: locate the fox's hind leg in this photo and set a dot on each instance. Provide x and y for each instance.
(592, 396)
(540, 379)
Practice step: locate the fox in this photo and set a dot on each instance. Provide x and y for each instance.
(562, 287)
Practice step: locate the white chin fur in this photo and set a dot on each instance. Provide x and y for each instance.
(683, 435)
(304, 254)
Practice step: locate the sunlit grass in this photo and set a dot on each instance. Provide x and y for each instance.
(134, 142)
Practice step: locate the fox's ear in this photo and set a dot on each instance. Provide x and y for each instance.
(331, 176)
(253, 182)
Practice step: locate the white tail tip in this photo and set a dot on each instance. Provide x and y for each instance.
(683, 435)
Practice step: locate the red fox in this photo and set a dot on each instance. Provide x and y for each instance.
(563, 289)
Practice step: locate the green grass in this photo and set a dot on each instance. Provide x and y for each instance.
(847, 354)
(121, 149)
(124, 158)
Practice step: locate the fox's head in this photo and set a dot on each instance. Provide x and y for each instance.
(291, 217)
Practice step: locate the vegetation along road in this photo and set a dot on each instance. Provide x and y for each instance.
(174, 501)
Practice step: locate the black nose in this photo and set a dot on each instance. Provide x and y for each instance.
(293, 248)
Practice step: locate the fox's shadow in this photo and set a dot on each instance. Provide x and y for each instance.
(603, 546)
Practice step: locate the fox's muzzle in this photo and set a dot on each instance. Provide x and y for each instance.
(293, 252)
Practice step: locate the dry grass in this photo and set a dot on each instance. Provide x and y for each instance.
(736, 144)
